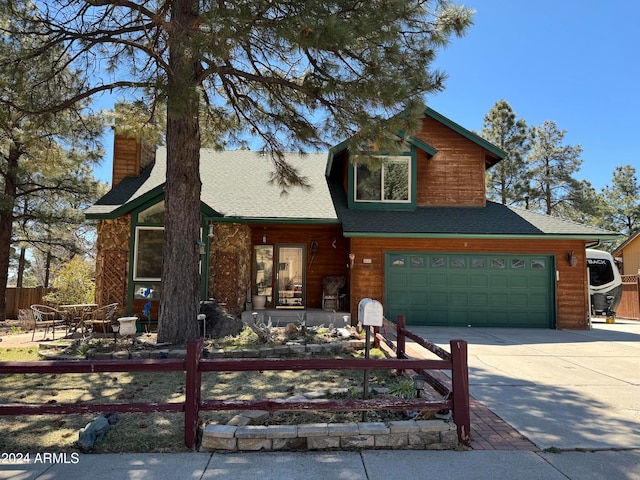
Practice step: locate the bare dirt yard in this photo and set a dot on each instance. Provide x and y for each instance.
(160, 432)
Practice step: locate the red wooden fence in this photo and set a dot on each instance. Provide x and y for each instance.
(195, 366)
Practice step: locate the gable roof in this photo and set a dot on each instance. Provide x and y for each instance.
(235, 184)
(631, 238)
(432, 222)
(497, 154)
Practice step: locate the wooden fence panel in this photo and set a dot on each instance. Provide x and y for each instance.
(19, 298)
(630, 303)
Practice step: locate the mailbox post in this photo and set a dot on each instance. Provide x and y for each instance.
(370, 314)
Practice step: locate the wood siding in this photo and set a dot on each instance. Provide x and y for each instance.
(631, 258)
(367, 279)
(126, 158)
(455, 176)
(331, 259)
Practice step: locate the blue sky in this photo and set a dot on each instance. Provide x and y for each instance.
(574, 62)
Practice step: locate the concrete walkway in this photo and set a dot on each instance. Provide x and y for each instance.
(567, 389)
(366, 465)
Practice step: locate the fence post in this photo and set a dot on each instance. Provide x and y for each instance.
(638, 294)
(400, 341)
(192, 400)
(460, 386)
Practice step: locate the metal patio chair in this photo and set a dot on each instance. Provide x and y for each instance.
(47, 317)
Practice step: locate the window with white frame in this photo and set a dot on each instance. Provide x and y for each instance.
(386, 180)
(147, 262)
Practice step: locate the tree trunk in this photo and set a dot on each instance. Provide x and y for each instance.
(47, 268)
(6, 225)
(179, 303)
(21, 265)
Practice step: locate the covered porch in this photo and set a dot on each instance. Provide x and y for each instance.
(312, 317)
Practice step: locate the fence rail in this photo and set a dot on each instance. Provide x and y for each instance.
(456, 398)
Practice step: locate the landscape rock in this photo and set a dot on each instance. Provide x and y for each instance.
(219, 323)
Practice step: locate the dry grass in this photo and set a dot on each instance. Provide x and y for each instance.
(161, 432)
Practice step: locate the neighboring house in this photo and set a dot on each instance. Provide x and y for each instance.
(628, 253)
(415, 233)
(627, 256)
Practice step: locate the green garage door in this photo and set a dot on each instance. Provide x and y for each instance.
(479, 290)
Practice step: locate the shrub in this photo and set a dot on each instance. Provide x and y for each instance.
(73, 283)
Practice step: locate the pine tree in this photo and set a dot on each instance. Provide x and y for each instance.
(295, 74)
(507, 180)
(552, 166)
(622, 201)
(43, 156)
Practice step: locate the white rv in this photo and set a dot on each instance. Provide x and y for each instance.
(605, 283)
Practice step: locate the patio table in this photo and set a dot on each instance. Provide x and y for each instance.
(77, 314)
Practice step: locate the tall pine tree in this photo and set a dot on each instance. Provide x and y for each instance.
(552, 166)
(294, 74)
(507, 181)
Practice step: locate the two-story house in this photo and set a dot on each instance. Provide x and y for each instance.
(412, 230)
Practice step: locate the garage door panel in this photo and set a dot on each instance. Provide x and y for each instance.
(498, 299)
(437, 279)
(498, 281)
(458, 280)
(418, 298)
(459, 299)
(438, 299)
(478, 299)
(477, 280)
(519, 281)
(537, 282)
(417, 280)
(398, 279)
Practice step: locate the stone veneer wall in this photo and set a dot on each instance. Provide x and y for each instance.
(112, 261)
(230, 265)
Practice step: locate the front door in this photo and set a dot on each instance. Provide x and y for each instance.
(290, 272)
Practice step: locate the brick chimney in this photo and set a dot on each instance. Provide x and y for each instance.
(130, 156)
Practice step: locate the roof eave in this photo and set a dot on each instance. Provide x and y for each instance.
(548, 236)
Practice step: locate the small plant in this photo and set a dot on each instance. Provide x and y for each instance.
(403, 388)
(15, 330)
(84, 349)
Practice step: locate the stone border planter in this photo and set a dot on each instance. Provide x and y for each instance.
(408, 434)
(278, 351)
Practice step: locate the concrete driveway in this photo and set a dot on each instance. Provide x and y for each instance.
(568, 389)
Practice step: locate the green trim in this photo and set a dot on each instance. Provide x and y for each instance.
(479, 236)
(332, 152)
(286, 221)
(420, 144)
(466, 133)
(147, 197)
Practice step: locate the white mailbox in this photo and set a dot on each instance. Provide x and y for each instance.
(370, 312)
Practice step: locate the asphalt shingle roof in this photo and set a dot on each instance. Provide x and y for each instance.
(236, 184)
(494, 219)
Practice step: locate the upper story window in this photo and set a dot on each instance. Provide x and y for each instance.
(153, 214)
(387, 180)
